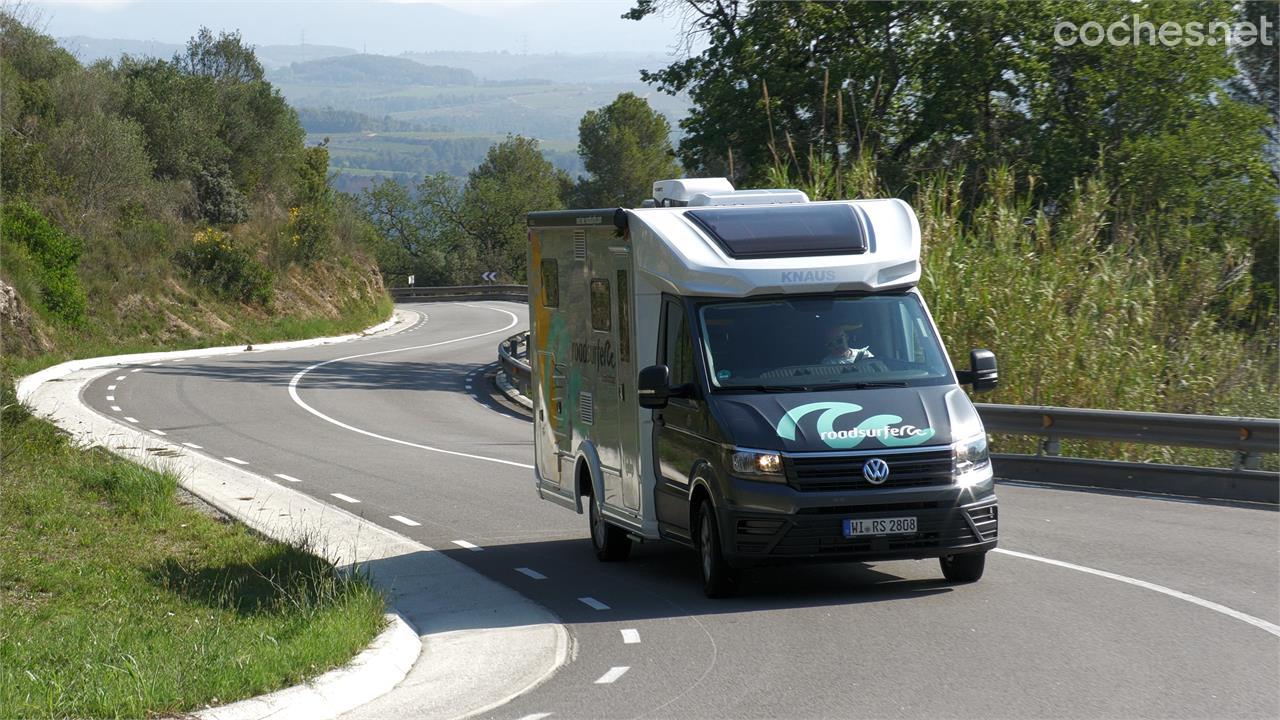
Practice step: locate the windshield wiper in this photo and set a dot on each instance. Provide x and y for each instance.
(865, 385)
(774, 388)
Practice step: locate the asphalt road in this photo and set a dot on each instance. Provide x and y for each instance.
(405, 430)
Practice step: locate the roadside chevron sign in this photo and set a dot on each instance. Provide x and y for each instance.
(489, 276)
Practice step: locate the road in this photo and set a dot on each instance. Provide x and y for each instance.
(405, 430)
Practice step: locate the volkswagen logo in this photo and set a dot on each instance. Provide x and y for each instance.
(876, 471)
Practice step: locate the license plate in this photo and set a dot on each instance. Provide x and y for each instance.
(880, 526)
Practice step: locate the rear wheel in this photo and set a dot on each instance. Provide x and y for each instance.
(718, 579)
(965, 568)
(609, 541)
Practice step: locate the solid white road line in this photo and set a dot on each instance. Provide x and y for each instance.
(531, 573)
(631, 636)
(290, 478)
(593, 603)
(405, 521)
(194, 446)
(237, 461)
(613, 674)
(131, 419)
(467, 545)
(293, 393)
(1256, 622)
(345, 498)
(115, 408)
(159, 432)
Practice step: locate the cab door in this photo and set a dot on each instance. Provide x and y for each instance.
(680, 428)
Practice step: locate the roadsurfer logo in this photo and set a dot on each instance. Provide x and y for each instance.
(599, 353)
(884, 428)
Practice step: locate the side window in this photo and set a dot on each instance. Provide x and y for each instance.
(550, 283)
(600, 309)
(624, 318)
(679, 346)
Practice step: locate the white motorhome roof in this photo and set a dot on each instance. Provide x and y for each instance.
(796, 247)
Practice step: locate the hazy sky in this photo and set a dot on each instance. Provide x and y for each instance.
(378, 26)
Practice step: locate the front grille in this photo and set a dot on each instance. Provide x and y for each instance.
(822, 535)
(815, 473)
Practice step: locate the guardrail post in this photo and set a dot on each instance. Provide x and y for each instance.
(1050, 446)
(1248, 460)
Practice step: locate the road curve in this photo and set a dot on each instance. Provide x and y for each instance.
(405, 430)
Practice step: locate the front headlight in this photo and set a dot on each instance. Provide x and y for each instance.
(757, 465)
(970, 461)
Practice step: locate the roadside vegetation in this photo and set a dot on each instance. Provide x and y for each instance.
(117, 600)
(157, 205)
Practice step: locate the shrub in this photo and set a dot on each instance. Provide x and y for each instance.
(55, 254)
(219, 200)
(216, 263)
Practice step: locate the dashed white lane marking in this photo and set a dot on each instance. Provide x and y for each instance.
(613, 674)
(593, 603)
(536, 716)
(155, 364)
(237, 461)
(194, 446)
(111, 387)
(131, 419)
(136, 370)
(159, 432)
(1208, 604)
(467, 545)
(119, 377)
(115, 408)
(630, 636)
(290, 478)
(405, 521)
(531, 573)
(293, 393)
(111, 398)
(345, 498)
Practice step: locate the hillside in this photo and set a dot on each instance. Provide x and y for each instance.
(377, 70)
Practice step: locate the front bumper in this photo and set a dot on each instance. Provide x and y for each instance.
(766, 523)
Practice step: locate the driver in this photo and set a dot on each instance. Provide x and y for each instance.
(839, 351)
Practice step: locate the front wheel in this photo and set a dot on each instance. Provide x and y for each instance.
(609, 541)
(718, 579)
(965, 568)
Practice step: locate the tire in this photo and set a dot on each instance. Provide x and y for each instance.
(965, 568)
(610, 542)
(718, 579)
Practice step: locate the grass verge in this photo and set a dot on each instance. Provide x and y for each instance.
(118, 601)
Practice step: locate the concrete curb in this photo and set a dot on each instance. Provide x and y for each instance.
(511, 391)
(485, 643)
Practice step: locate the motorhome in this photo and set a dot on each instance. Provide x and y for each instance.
(756, 376)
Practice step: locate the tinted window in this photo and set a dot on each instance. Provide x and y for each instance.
(783, 231)
(550, 283)
(624, 318)
(600, 304)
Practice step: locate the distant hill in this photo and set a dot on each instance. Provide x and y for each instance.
(559, 67)
(89, 50)
(360, 69)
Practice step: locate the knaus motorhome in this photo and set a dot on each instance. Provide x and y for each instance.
(755, 376)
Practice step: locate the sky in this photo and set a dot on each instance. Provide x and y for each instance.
(386, 27)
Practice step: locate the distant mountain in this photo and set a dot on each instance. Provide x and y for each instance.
(619, 67)
(370, 70)
(89, 49)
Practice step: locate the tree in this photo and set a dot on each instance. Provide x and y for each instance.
(625, 146)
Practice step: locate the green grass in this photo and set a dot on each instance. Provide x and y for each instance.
(115, 601)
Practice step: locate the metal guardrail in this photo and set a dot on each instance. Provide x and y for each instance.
(1248, 438)
(518, 293)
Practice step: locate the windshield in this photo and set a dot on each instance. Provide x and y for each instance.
(817, 342)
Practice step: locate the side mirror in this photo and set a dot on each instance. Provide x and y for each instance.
(654, 387)
(982, 373)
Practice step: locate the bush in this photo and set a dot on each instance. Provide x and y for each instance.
(216, 263)
(219, 200)
(55, 254)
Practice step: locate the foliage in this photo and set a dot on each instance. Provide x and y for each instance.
(626, 147)
(53, 253)
(379, 69)
(219, 200)
(215, 262)
(446, 233)
(311, 222)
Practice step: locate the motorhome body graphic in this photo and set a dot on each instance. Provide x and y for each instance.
(884, 428)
